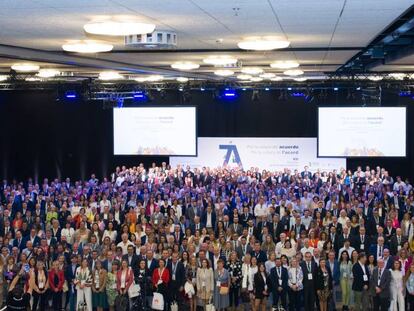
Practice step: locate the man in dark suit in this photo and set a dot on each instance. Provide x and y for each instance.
(236, 227)
(244, 248)
(19, 241)
(279, 284)
(276, 228)
(195, 225)
(389, 231)
(380, 281)
(246, 216)
(178, 277)
(361, 242)
(258, 253)
(298, 227)
(70, 277)
(151, 262)
(178, 234)
(397, 241)
(309, 269)
(131, 257)
(360, 283)
(378, 249)
(208, 219)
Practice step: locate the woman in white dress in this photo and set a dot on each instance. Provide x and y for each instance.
(83, 282)
(397, 288)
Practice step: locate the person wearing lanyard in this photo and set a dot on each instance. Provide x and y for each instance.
(177, 272)
(160, 280)
(261, 288)
(380, 281)
(360, 283)
(221, 290)
(279, 284)
(83, 282)
(205, 282)
(38, 282)
(309, 273)
(56, 280)
(295, 285)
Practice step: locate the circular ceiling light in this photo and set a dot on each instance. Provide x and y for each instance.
(224, 73)
(284, 64)
(182, 79)
(220, 60)
(140, 79)
(112, 28)
(293, 72)
(267, 75)
(252, 70)
(3, 77)
(375, 78)
(48, 73)
(110, 75)
(303, 79)
(87, 46)
(275, 79)
(256, 79)
(244, 77)
(263, 44)
(25, 67)
(185, 65)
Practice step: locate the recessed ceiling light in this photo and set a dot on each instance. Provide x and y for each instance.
(87, 46)
(48, 73)
(267, 75)
(284, 64)
(244, 77)
(293, 72)
(25, 67)
(375, 78)
(276, 79)
(110, 75)
(224, 73)
(32, 79)
(256, 79)
(252, 70)
(3, 77)
(112, 28)
(263, 44)
(185, 65)
(182, 79)
(220, 60)
(303, 79)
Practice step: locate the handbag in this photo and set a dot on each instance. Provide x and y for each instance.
(65, 286)
(82, 306)
(224, 289)
(157, 302)
(210, 306)
(134, 290)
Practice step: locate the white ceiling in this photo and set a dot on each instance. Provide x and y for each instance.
(47, 24)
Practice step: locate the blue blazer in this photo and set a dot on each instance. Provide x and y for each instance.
(336, 273)
(274, 278)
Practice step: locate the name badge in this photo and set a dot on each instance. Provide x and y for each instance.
(365, 278)
(203, 284)
(159, 282)
(173, 277)
(280, 282)
(218, 283)
(399, 247)
(265, 287)
(361, 246)
(310, 277)
(344, 275)
(41, 285)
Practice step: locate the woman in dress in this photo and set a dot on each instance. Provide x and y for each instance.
(323, 285)
(160, 280)
(99, 276)
(39, 286)
(295, 283)
(83, 282)
(397, 288)
(345, 270)
(56, 280)
(111, 290)
(261, 288)
(221, 290)
(235, 271)
(124, 279)
(205, 282)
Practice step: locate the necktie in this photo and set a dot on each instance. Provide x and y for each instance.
(362, 239)
(309, 267)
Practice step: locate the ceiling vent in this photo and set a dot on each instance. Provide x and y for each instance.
(157, 39)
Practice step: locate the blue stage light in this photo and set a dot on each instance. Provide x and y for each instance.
(405, 93)
(298, 94)
(71, 95)
(140, 96)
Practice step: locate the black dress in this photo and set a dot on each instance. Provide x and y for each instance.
(260, 285)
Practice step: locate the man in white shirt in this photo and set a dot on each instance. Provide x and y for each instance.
(261, 208)
(124, 244)
(347, 247)
(306, 248)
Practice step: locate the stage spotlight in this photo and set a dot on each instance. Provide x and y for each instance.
(202, 89)
(267, 89)
(336, 89)
(140, 96)
(358, 88)
(255, 95)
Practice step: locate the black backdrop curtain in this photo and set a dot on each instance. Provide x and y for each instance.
(41, 137)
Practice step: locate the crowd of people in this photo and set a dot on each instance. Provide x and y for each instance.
(218, 239)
